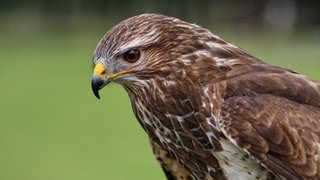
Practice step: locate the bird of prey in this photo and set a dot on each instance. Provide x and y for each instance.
(211, 110)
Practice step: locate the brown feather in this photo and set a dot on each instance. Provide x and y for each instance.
(281, 145)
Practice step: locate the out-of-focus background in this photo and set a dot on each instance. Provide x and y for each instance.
(53, 128)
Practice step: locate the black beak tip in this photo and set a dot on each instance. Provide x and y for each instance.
(96, 87)
(96, 93)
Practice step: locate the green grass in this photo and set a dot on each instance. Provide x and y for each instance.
(53, 128)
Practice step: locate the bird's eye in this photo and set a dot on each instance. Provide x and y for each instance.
(132, 55)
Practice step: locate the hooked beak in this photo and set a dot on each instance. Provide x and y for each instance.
(98, 83)
(99, 78)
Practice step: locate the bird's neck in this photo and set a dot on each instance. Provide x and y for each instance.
(164, 107)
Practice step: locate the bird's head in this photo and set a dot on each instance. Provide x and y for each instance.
(149, 45)
(138, 48)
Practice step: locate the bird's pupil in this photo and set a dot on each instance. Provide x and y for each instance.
(132, 54)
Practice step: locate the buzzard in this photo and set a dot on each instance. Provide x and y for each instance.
(210, 109)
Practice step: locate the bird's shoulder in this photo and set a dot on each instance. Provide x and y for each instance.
(260, 78)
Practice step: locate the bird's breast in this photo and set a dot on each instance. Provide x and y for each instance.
(184, 129)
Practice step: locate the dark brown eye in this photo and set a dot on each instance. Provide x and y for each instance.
(132, 55)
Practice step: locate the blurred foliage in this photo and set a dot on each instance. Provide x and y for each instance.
(52, 127)
(249, 12)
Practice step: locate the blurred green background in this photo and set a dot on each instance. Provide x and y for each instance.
(53, 128)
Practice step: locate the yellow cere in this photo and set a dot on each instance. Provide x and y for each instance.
(100, 70)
